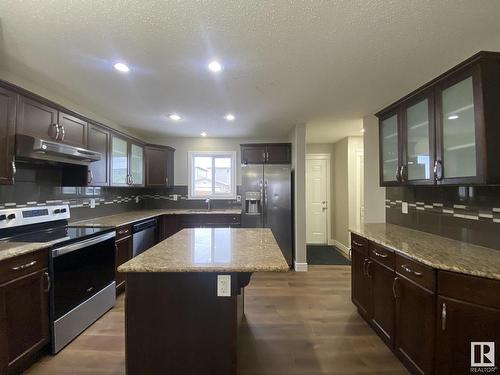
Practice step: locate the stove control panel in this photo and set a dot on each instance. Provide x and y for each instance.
(14, 217)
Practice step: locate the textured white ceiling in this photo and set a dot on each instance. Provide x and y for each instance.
(325, 63)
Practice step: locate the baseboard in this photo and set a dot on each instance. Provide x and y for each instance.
(341, 247)
(300, 267)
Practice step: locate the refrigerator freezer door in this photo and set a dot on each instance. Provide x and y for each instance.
(277, 206)
(251, 181)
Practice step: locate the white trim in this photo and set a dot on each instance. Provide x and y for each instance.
(300, 267)
(329, 209)
(231, 154)
(341, 247)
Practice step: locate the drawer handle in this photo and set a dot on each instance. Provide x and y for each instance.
(409, 270)
(24, 266)
(47, 279)
(443, 317)
(380, 255)
(394, 291)
(123, 231)
(357, 243)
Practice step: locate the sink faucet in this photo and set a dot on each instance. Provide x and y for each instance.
(207, 201)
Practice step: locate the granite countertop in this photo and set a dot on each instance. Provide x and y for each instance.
(133, 216)
(212, 250)
(435, 251)
(14, 249)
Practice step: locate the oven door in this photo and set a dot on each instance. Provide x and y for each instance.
(81, 270)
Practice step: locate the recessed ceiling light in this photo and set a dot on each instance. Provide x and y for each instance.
(215, 66)
(203, 134)
(229, 117)
(174, 116)
(452, 117)
(121, 67)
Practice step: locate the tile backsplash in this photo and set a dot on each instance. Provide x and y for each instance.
(39, 185)
(465, 213)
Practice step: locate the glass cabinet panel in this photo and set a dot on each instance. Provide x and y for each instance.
(417, 141)
(136, 164)
(458, 126)
(390, 159)
(119, 162)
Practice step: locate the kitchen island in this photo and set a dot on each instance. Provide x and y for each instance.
(184, 299)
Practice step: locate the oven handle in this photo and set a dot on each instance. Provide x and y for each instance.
(80, 245)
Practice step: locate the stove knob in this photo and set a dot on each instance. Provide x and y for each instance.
(63, 210)
(57, 211)
(11, 216)
(3, 217)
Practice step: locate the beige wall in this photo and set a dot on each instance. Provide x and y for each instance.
(374, 194)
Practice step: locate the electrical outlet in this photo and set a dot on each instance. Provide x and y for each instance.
(223, 285)
(238, 198)
(136, 199)
(175, 197)
(92, 203)
(404, 207)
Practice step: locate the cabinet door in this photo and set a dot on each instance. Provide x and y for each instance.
(415, 317)
(170, 167)
(253, 154)
(156, 167)
(73, 130)
(278, 154)
(168, 226)
(383, 305)
(119, 162)
(7, 131)
(123, 254)
(36, 119)
(460, 324)
(418, 140)
(360, 283)
(390, 161)
(24, 314)
(136, 165)
(459, 153)
(98, 140)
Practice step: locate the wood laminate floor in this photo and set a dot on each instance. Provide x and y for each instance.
(295, 323)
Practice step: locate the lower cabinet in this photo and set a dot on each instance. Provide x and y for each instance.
(360, 282)
(123, 254)
(382, 311)
(168, 226)
(24, 314)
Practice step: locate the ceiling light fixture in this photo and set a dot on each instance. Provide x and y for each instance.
(229, 117)
(174, 116)
(121, 67)
(203, 134)
(452, 117)
(215, 66)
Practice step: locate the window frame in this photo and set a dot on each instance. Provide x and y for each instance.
(213, 155)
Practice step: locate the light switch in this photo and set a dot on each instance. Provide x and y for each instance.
(404, 207)
(92, 203)
(223, 285)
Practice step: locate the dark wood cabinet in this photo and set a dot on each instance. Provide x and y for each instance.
(98, 139)
(24, 325)
(266, 153)
(445, 132)
(7, 134)
(168, 226)
(73, 130)
(414, 325)
(159, 166)
(382, 300)
(208, 221)
(37, 119)
(360, 281)
(127, 162)
(123, 254)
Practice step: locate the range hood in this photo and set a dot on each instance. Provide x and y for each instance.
(32, 148)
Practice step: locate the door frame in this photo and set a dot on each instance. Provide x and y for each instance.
(327, 157)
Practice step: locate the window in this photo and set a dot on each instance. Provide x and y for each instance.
(212, 174)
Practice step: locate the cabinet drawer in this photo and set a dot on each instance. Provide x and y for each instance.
(382, 255)
(359, 243)
(22, 265)
(468, 288)
(123, 231)
(419, 273)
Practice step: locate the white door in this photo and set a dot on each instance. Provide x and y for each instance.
(316, 201)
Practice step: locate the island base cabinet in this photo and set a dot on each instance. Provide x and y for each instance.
(459, 324)
(177, 325)
(414, 340)
(123, 250)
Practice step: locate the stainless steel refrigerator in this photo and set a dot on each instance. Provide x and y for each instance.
(266, 196)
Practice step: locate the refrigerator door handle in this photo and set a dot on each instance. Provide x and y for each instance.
(265, 202)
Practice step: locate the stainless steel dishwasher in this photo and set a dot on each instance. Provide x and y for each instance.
(144, 236)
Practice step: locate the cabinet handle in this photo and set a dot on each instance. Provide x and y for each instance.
(398, 177)
(63, 133)
(166, 180)
(380, 255)
(368, 264)
(13, 166)
(90, 176)
(409, 270)
(56, 126)
(394, 292)
(47, 279)
(404, 178)
(443, 317)
(438, 170)
(24, 266)
(364, 266)
(264, 156)
(357, 243)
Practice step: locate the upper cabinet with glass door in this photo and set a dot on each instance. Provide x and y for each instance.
(136, 165)
(449, 129)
